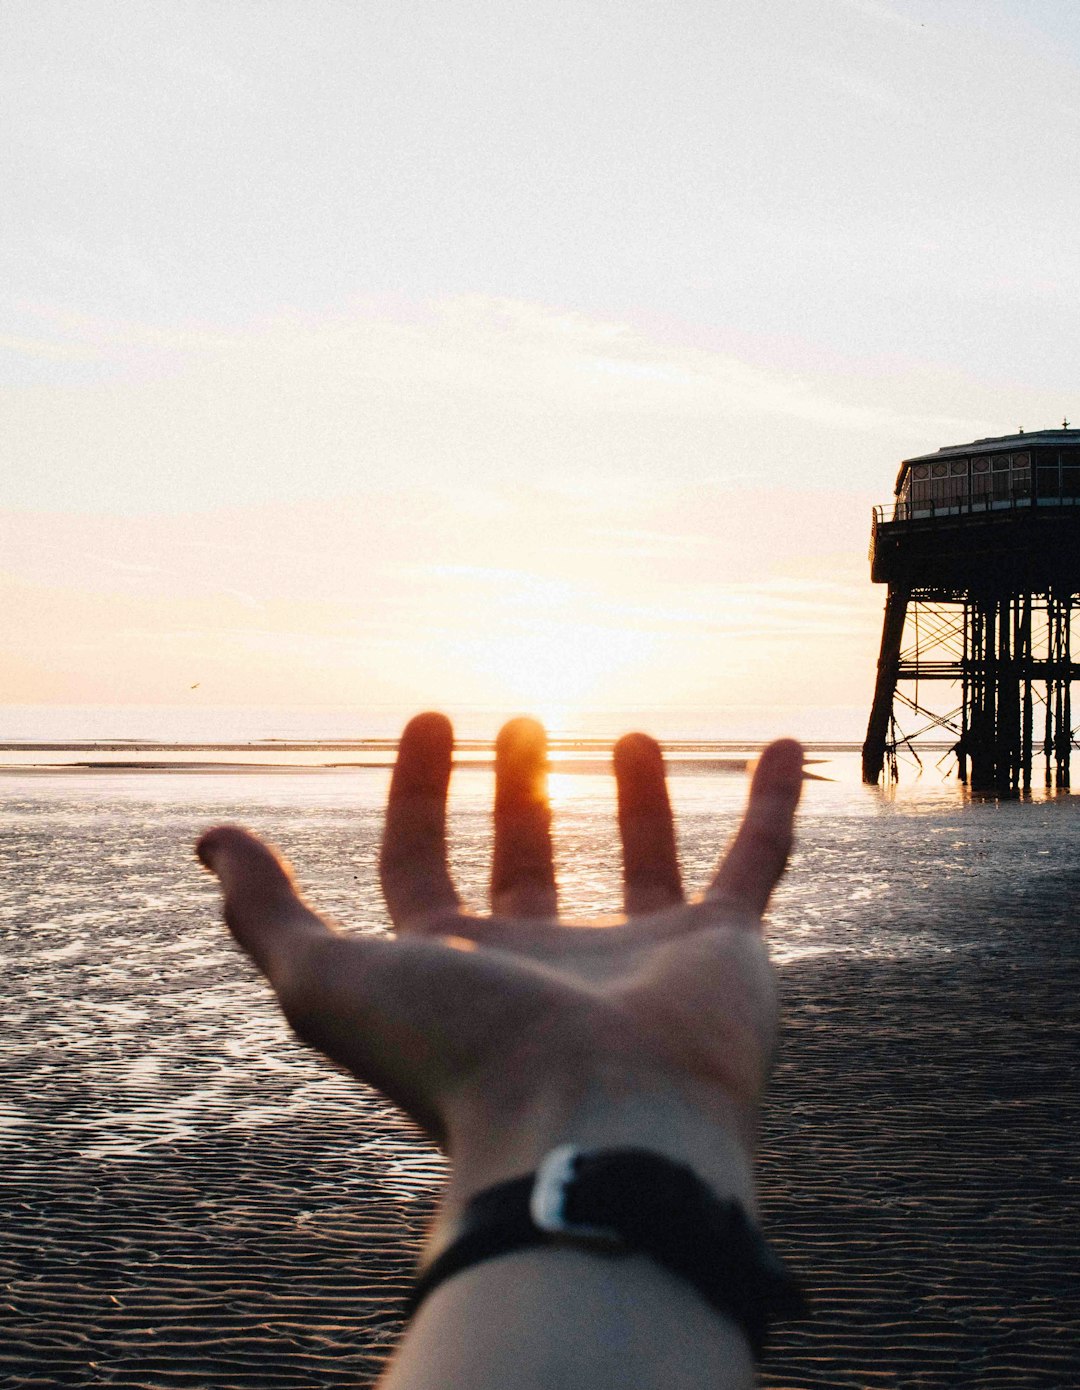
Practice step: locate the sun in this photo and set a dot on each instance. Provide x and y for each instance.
(560, 671)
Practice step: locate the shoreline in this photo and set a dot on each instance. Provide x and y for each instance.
(557, 767)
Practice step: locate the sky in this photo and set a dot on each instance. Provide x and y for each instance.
(374, 356)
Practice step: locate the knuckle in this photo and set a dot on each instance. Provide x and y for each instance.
(768, 842)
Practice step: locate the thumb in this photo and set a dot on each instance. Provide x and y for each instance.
(263, 910)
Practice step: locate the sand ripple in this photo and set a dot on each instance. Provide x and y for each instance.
(920, 1165)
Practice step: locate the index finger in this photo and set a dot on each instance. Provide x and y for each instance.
(755, 861)
(412, 865)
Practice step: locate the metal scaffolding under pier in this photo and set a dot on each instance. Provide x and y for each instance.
(981, 554)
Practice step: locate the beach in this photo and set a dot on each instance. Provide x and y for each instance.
(190, 1198)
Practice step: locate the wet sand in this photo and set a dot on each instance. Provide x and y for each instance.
(920, 1167)
(191, 1200)
(932, 1207)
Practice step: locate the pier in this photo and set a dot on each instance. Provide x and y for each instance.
(980, 550)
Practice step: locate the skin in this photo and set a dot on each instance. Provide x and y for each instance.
(508, 1033)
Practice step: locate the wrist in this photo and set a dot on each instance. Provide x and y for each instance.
(491, 1142)
(622, 1204)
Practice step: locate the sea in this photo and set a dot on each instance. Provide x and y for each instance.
(190, 1198)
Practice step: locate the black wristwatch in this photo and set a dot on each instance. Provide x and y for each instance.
(629, 1200)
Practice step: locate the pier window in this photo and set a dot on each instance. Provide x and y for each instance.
(980, 482)
(1010, 479)
(1059, 479)
(1049, 482)
(1021, 478)
(920, 488)
(948, 486)
(976, 484)
(956, 494)
(939, 485)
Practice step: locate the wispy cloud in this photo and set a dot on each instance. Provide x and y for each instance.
(469, 349)
(48, 349)
(883, 13)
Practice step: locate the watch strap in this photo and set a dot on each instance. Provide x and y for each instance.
(622, 1201)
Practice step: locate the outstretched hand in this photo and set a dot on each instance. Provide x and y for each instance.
(502, 1034)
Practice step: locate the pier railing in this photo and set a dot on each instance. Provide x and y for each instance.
(927, 509)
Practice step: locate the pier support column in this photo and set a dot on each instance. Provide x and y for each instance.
(888, 667)
(983, 719)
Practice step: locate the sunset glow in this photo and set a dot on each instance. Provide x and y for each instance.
(581, 415)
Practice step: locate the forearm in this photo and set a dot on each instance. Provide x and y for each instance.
(564, 1319)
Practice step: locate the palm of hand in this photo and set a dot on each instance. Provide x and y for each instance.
(464, 1014)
